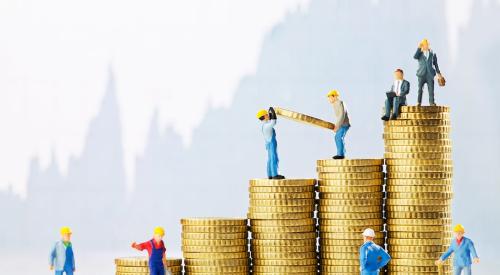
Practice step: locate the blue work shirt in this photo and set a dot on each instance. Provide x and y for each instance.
(58, 255)
(463, 252)
(372, 257)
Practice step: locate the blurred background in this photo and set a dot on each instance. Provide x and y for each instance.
(117, 116)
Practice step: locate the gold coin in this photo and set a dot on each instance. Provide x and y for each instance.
(425, 196)
(421, 175)
(214, 229)
(284, 255)
(419, 162)
(359, 182)
(350, 216)
(143, 261)
(357, 229)
(350, 162)
(364, 222)
(132, 269)
(353, 202)
(281, 209)
(214, 221)
(282, 196)
(427, 155)
(347, 235)
(284, 236)
(340, 249)
(298, 222)
(350, 176)
(418, 182)
(413, 262)
(417, 241)
(215, 255)
(285, 243)
(282, 229)
(425, 109)
(351, 196)
(417, 142)
(422, 188)
(422, 222)
(406, 202)
(218, 248)
(274, 249)
(350, 208)
(419, 228)
(419, 208)
(338, 262)
(349, 169)
(405, 255)
(199, 242)
(350, 189)
(289, 202)
(214, 236)
(417, 215)
(427, 122)
(216, 269)
(281, 189)
(417, 129)
(415, 269)
(416, 248)
(413, 235)
(353, 242)
(217, 262)
(338, 256)
(283, 182)
(416, 136)
(418, 149)
(424, 116)
(284, 262)
(294, 269)
(284, 216)
(338, 269)
(303, 118)
(419, 168)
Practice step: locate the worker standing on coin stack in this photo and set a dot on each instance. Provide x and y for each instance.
(156, 250)
(61, 257)
(371, 256)
(342, 125)
(268, 122)
(463, 248)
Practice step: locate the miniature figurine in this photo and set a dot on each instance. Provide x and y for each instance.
(268, 122)
(342, 124)
(463, 248)
(156, 251)
(396, 97)
(371, 256)
(427, 68)
(62, 258)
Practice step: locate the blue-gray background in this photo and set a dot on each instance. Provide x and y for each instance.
(350, 45)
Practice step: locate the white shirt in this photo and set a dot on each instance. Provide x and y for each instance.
(397, 86)
(426, 53)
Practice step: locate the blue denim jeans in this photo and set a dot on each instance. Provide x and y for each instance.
(66, 271)
(457, 270)
(393, 103)
(339, 140)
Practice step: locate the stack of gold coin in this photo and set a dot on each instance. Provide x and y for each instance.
(215, 246)
(283, 226)
(350, 200)
(139, 266)
(419, 189)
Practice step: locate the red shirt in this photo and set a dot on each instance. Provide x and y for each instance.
(147, 246)
(459, 241)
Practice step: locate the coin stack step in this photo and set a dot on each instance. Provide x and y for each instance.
(283, 227)
(350, 200)
(213, 246)
(139, 266)
(419, 190)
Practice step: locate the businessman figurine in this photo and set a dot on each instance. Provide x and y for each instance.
(396, 97)
(427, 69)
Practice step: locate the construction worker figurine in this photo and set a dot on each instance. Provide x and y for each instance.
(371, 256)
(156, 251)
(342, 124)
(463, 248)
(427, 69)
(268, 122)
(61, 256)
(396, 97)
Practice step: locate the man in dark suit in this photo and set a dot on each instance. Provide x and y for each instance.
(396, 97)
(427, 69)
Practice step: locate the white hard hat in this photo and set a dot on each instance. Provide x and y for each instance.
(369, 233)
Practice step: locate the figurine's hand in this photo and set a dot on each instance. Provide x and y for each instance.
(439, 262)
(134, 244)
(476, 260)
(335, 128)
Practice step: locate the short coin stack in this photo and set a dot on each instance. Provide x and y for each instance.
(215, 246)
(139, 266)
(350, 200)
(283, 226)
(419, 189)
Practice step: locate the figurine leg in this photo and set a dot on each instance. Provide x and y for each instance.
(339, 140)
(430, 87)
(272, 160)
(395, 107)
(421, 82)
(388, 106)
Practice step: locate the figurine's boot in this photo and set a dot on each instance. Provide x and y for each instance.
(338, 157)
(278, 177)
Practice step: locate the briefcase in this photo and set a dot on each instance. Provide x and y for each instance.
(441, 81)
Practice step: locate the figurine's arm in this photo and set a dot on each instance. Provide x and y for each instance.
(473, 250)
(418, 53)
(447, 253)
(435, 62)
(52, 256)
(272, 113)
(405, 89)
(340, 119)
(140, 246)
(362, 258)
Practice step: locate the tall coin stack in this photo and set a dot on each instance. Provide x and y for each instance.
(283, 226)
(139, 266)
(215, 246)
(419, 189)
(350, 200)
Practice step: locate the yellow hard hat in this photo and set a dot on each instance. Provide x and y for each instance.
(261, 113)
(65, 230)
(458, 228)
(424, 41)
(159, 231)
(333, 93)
